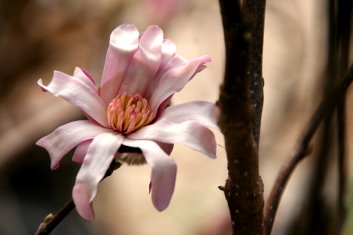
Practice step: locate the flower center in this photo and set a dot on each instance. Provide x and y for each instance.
(127, 113)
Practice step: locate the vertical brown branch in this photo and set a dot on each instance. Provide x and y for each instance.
(239, 120)
(254, 11)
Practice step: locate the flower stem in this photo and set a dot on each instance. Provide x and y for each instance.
(51, 221)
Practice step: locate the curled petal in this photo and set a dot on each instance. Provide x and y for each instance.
(145, 62)
(188, 133)
(81, 151)
(168, 51)
(201, 111)
(64, 138)
(174, 61)
(123, 45)
(84, 76)
(175, 79)
(163, 171)
(79, 94)
(97, 161)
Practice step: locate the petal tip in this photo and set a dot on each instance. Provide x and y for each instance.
(82, 201)
(206, 59)
(126, 26)
(160, 206)
(40, 83)
(54, 166)
(154, 27)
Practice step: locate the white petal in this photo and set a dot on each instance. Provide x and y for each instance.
(163, 171)
(97, 161)
(65, 137)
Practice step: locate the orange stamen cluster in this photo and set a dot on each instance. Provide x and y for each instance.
(128, 113)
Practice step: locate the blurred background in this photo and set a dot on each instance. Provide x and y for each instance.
(39, 36)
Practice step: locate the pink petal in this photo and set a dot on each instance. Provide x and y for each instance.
(64, 138)
(168, 51)
(81, 151)
(175, 79)
(98, 159)
(168, 54)
(123, 45)
(85, 77)
(145, 62)
(79, 94)
(163, 171)
(201, 111)
(174, 61)
(188, 133)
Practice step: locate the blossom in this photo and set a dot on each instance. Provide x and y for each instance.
(130, 109)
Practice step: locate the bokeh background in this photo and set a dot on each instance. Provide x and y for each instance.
(39, 36)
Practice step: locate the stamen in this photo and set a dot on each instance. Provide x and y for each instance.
(128, 113)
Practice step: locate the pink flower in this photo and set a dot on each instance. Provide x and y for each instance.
(141, 74)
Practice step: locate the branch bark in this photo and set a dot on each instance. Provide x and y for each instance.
(254, 11)
(240, 104)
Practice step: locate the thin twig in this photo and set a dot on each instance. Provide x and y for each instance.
(51, 221)
(326, 107)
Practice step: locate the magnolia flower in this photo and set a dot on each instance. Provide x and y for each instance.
(130, 109)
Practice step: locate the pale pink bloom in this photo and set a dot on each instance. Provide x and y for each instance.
(141, 74)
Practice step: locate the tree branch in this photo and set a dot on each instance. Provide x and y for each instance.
(254, 11)
(344, 25)
(324, 109)
(240, 115)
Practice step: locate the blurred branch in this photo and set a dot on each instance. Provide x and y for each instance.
(342, 175)
(324, 109)
(318, 214)
(240, 115)
(344, 19)
(51, 221)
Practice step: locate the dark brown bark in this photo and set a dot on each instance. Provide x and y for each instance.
(254, 11)
(240, 104)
